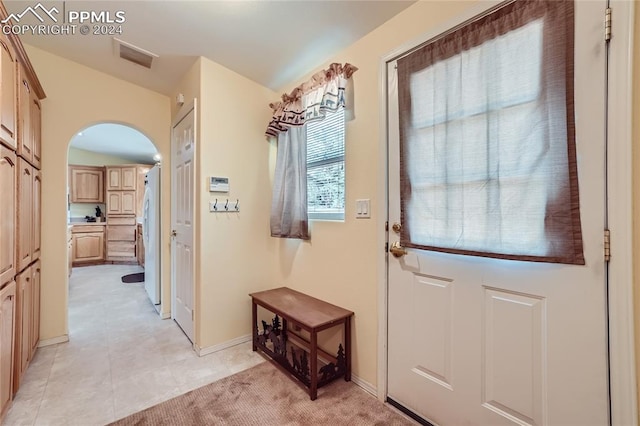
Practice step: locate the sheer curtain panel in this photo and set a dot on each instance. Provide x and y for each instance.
(488, 161)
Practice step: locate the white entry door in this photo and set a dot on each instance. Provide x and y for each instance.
(183, 145)
(474, 340)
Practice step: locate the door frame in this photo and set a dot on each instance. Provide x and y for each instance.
(622, 376)
(180, 115)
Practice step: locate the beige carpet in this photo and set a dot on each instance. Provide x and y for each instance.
(264, 395)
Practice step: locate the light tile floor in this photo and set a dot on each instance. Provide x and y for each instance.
(121, 357)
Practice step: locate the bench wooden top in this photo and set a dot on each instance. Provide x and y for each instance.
(307, 311)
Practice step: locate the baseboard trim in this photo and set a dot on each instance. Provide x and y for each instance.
(54, 341)
(368, 387)
(220, 346)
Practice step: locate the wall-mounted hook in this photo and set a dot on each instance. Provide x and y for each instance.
(237, 208)
(226, 205)
(215, 205)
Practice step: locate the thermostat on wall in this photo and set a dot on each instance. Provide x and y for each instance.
(218, 184)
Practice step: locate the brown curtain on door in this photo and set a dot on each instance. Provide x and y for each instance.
(487, 138)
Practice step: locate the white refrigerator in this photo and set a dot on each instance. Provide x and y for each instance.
(151, 234)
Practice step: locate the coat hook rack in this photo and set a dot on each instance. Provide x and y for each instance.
(213, 206)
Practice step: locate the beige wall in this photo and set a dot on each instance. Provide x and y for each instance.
(340, 263)
(78, 97)
(636, 186)
(234, 252)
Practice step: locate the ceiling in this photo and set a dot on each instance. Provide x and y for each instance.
(271, 42)
(117, 140)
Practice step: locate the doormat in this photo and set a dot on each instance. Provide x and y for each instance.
(133, 278)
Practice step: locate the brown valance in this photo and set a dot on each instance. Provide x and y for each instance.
(325, 90)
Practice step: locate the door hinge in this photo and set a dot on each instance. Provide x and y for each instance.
(386, 247)
(386, 226)
(607, 245)
(607, 24)
(192, 315)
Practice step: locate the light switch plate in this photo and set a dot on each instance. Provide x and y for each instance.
(363, 209)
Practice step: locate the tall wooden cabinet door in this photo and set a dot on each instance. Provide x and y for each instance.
(8, 83)
(25, 219)
(8, 204)
(35, 117)
(25, 142)
(129, 175)
(114, 178)
(129, 200)
(22, 348)
(35, 307)
(36, 216)
(7, 333)
(114, 202)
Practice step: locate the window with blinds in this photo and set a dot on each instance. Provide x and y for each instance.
(325, 167)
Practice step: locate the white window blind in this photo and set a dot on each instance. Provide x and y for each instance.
(325, 166)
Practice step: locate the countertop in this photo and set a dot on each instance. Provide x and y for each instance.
(82, 221)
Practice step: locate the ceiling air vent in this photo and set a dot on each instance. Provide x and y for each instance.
(133, 53)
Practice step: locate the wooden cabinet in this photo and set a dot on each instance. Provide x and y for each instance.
(121, 178)
(87, 244)
(7, 333)
(8, 205)
(8, 83)
(22, 346)
(25, 140)
(35, 131)
(34, 337)
(121, 202)
(36, 214)
(25, 214)
(86, 184)
(29, 214)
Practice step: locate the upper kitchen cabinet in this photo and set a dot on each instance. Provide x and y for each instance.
(25, 139)
(8, 207)
(121, 178)
(86, 184)
(8, 83)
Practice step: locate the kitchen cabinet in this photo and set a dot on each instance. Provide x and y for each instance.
(35, 130)
(8, 206)
(36, 214)
(121, 178)
(22, 340)
(34, 337)
(25, 214)
(7, 332)
(20, 207)
(121, 238)
(86, 184)
(121, 202)
(25, 139)
(8, 83)
(29, 214)
(87, 244)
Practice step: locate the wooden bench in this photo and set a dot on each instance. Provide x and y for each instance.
(297, 355)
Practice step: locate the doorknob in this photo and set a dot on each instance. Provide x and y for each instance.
(397, 250)
(174, 233)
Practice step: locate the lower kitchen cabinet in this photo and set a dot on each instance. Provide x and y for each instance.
(87, 243)
(7, 332)
(27, 333)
